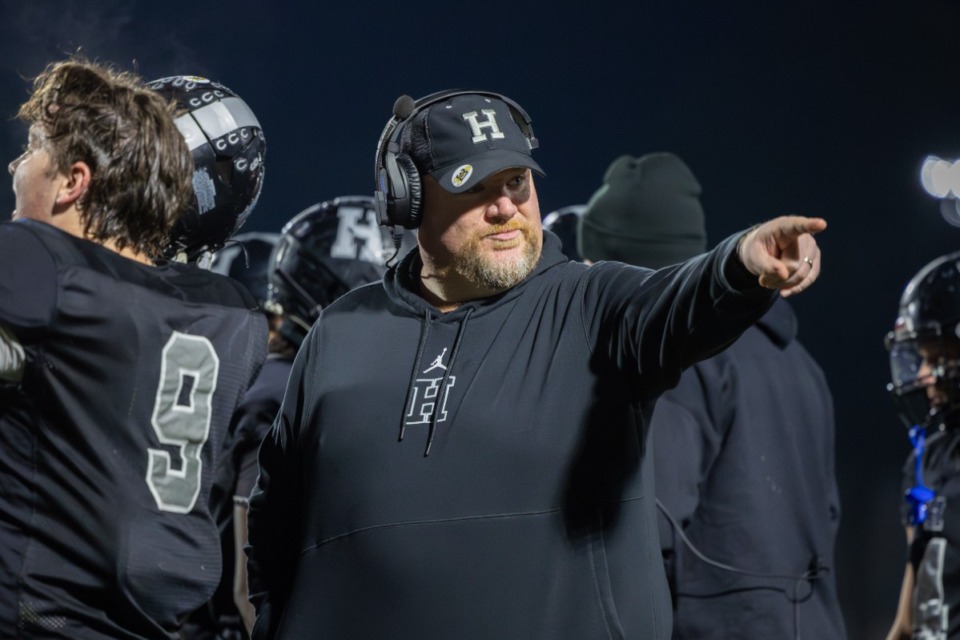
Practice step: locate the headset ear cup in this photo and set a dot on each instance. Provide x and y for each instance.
(392, 191)
(411, 219)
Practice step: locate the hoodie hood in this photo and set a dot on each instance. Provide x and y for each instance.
(779, 323)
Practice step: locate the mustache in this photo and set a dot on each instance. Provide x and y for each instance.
(513, 225)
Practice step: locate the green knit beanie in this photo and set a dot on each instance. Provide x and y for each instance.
(647, 213)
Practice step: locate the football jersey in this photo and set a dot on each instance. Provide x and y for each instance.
(110, 443)
(935, 551)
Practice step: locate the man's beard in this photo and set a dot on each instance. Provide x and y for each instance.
(485, 270)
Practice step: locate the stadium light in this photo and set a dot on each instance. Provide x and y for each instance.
(940, 178)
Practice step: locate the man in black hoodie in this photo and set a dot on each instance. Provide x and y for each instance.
(461, 451)
(743, 446)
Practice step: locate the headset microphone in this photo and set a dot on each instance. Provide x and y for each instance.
(403, 107)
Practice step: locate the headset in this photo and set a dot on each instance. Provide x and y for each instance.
(399, 188)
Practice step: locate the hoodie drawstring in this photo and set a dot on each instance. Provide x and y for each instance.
(446, 376)
(411, 388)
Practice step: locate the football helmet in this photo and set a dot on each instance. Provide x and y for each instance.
(324, 251)
(247, 258)
(924, 346)
(228, 148)
(564, 222)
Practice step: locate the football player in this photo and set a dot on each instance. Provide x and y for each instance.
(247, 258)
(324, 251)
(132, 366)
(924, 351)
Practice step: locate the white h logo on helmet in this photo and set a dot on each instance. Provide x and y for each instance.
(358, 235)
(491, 123)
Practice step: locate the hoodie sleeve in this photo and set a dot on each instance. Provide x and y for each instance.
(275, 503)
(656, 323)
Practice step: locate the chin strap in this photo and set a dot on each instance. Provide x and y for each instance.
(919, 495)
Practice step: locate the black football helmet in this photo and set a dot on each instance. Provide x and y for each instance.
(564, 222)
(325, 251)
(228, 150)
(247, 258)
(924, 346)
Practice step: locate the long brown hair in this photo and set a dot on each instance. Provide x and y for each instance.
(140, 164)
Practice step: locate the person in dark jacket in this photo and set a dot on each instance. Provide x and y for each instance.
(462, 449)
(743, 446)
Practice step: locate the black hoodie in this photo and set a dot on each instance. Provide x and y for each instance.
(744, 451)
(483, 473)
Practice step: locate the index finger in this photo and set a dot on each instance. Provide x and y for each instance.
(799, 225)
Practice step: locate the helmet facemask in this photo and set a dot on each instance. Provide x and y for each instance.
(925, 374)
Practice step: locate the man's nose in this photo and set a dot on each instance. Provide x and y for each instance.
(502, 208)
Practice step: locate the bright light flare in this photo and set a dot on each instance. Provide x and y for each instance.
(940, 178)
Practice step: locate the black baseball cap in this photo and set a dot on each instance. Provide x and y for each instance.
(471, 137)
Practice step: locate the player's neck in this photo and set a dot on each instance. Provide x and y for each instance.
(128, 252)
(69, 222)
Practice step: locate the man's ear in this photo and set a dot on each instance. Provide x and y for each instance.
(74, 184)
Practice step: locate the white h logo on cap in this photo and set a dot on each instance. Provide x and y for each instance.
(491, 123)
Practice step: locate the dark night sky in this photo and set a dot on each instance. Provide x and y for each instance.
(803, 108)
